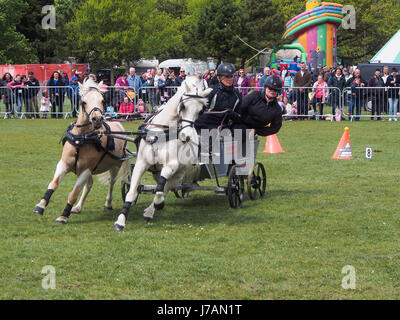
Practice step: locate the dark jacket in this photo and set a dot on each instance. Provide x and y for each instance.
(376, 82)
(357, 91)
(32, 92)
(335, 82)
(302, 81)
(351, 80)
(220, 99)
(393, 87)
(212, 82)
(257, 113)
(52, 91)
(6, 92)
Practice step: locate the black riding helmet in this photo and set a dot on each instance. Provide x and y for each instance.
(273, 82)
(226, 69)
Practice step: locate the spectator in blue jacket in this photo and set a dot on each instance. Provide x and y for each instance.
(134, 80)
(56, 92)
(266, 74)
(73, 95)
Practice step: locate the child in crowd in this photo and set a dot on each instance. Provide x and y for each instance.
(45, 104)
(126, 107)
(142, 108)
(290, 109)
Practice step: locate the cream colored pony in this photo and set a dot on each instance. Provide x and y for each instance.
(86, 153)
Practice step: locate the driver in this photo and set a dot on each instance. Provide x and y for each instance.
(261, 111)
(224, 100)
(224, 106)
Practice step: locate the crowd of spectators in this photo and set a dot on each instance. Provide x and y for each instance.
(306, 95)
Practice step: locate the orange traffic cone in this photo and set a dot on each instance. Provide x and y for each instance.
(272, 145)
(343, 150)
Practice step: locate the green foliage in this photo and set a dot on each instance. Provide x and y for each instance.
(376, 23)
(264, 25)
(216, 31)
(14, 46)
(108, 32)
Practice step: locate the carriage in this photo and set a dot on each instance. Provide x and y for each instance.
(98, 147)
(239, 170)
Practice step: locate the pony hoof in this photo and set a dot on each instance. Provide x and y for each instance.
(108, 208)
(147, 219)
(38, 210)
(61, 220)
(118, 227)
(76, 210)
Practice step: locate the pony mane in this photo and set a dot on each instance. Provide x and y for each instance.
(87, 86)
(171, 107)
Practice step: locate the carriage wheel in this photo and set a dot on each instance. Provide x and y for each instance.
(235, 189)
(257, 182)
(125, 186)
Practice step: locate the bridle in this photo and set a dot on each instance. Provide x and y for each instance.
(183, 107)
(101, 110)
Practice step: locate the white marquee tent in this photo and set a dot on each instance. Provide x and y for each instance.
(390, 52)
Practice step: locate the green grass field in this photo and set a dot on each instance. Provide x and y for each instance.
(318, 216)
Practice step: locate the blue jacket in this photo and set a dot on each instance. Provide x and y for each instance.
(134, 82)
(73, 90)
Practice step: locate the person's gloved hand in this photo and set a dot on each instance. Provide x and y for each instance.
(234, 116)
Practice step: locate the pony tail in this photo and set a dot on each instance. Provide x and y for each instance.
(122, 175)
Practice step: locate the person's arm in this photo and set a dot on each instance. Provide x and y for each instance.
(273, 123)
(308, 80)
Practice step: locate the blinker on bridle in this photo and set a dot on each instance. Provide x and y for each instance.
(182, 107)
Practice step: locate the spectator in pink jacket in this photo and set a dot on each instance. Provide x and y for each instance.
(319, 95)
(242, 83)
(17, 86)
(123, 81)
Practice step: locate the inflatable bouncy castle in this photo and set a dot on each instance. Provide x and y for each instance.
(313, 33)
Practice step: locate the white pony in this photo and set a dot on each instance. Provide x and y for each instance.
(163, 152)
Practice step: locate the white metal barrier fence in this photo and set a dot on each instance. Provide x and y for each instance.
(371, 102)
(354, 102)
(40, 101)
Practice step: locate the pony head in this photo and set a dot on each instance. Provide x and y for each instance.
(192, 103)
(92, 102)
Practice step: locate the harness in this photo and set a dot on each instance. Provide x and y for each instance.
(93, 137)
(152, 136)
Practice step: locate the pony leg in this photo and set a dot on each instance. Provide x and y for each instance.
(86, 189)
(162, 190)
(113, 175)
(138, 171)
(149, 211)
(61, 171)
(167, 172)
(82, 180)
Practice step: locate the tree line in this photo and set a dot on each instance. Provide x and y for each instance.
(113, 32)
